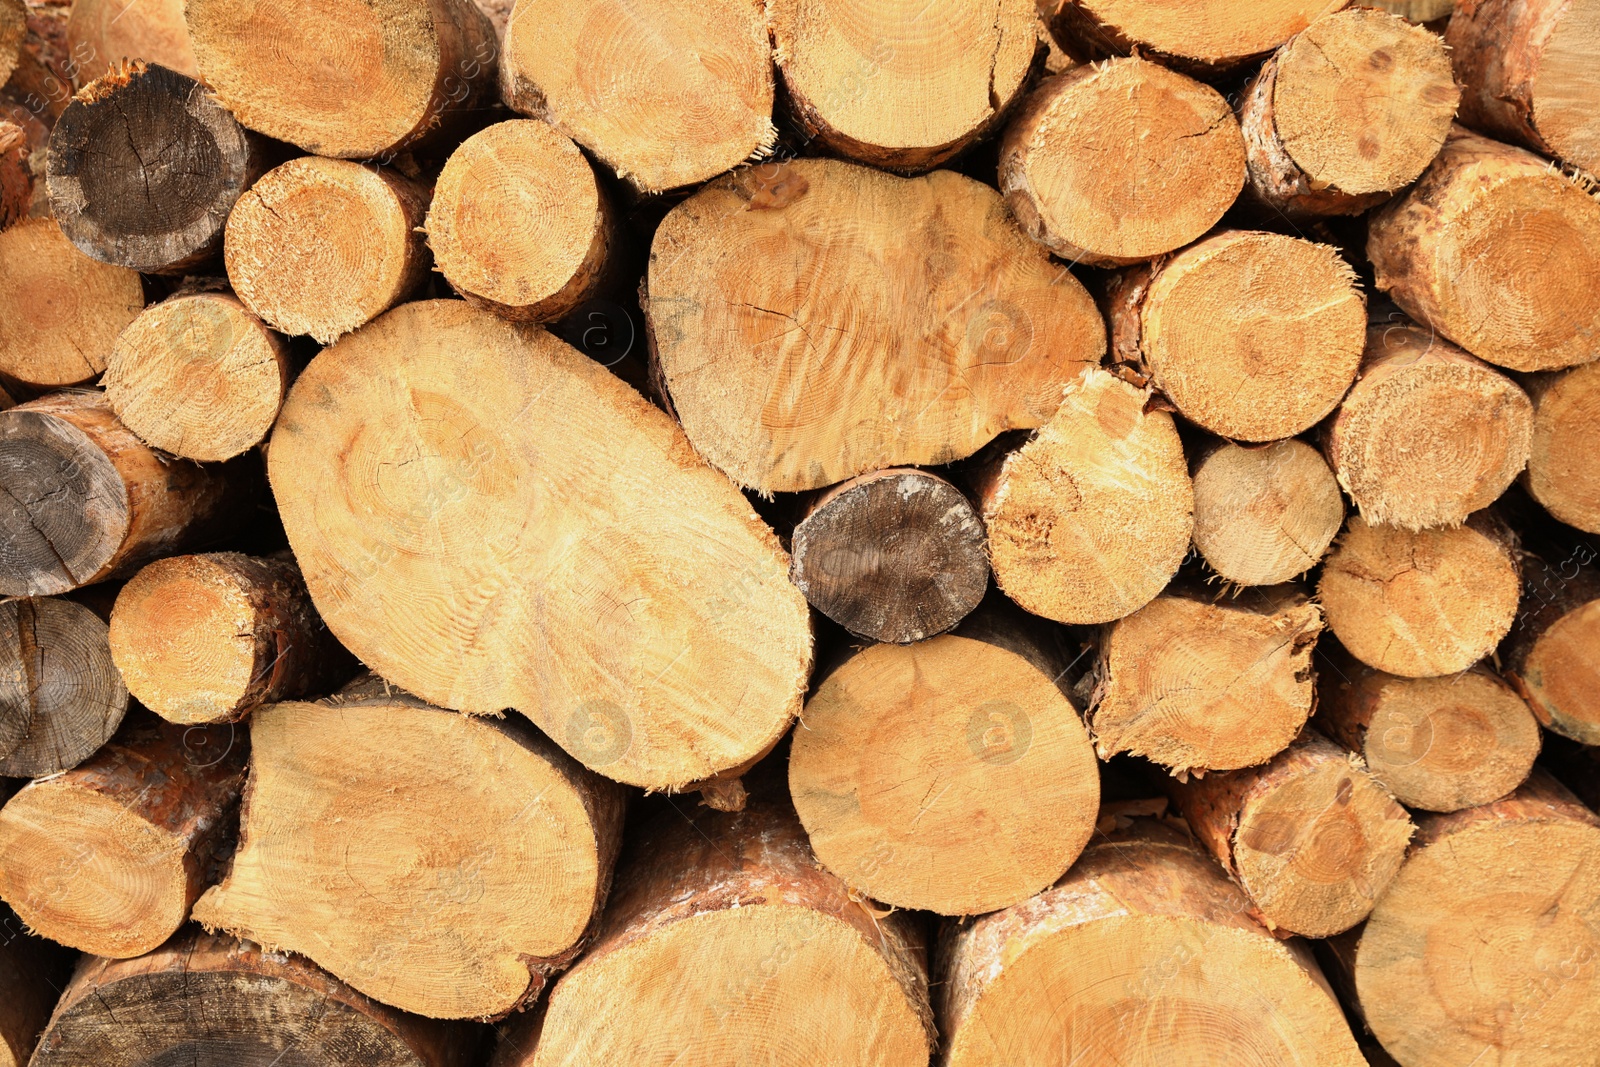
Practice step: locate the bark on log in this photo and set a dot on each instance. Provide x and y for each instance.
(1195, 684)
(45, 71)
(32, 974)
(1428, 434)
(104, 32)
(1353, 108)
(85, 500)
(210, 638)
(322, 246)
(379, 830)
(198, 376)
(1254, 336)
(1553, 655)
(896, 555)
(109, 856)
(1091, 517)
(1528, 70)
(213, 1001)
(61, 696)
(351, 79)
(1143, 954)
(144, 167)
(1422, 604)
(952, 775)
(60, 311)
(16, 175)
(685, 95)
(1211, 37)
(725, 943)
(1115, 163)
(1312, 837)
(843, 347)
(623, 594)
(1498, 251)
(1265, 515)
(1438, 744)
(1564, 459)
(905, 87)
(519, 224)
(1484, 947)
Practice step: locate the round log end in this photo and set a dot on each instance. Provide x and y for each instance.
(322, 246)
(82, 869)
(1265, 515)
(685, 96)
(1444, 744)
(64, 509)
(1254, 336)
(951, 776)
(198, 376)
(1564, 458)
(1565, 97)
(60, 311)
(1118, 163)
(1560, 673)
(1430, 434)
(1420, 604)
(61, 696)
(518, 222)
(144, 166)
(1363, 101)
(896, 556)
(904, 88)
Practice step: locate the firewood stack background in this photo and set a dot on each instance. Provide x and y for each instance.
(824, 532)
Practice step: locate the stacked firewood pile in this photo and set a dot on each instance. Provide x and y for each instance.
(824, 532)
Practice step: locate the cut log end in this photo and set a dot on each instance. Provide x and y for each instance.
(1421, 604)
(198, 376)
(1265, 515)
(518, 222)
(1141, 955)
(1254, 336)
(322, 246)
(907, 88)
(207, 638)
(1210, 37)
(1312, 837)
(1525, 68)
(762, 945)
(507, 454)
(83, 500)
(165, 215)
(60, 311)
(1091, 518)
(1173, 678)
(108, 857)
(894, 556)
(1556, 665)
(383, 74)
(1429, 434)
(911, 352)
(686, 94)
(472, 843)
(1564, 458)
(61, 696)
(1457, 253)
(101, 32)
(1438, 744)
(951, 775)
(13, 27)
(1066, 162)
(1454, 965)
(205, 999)
(1351, 109)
